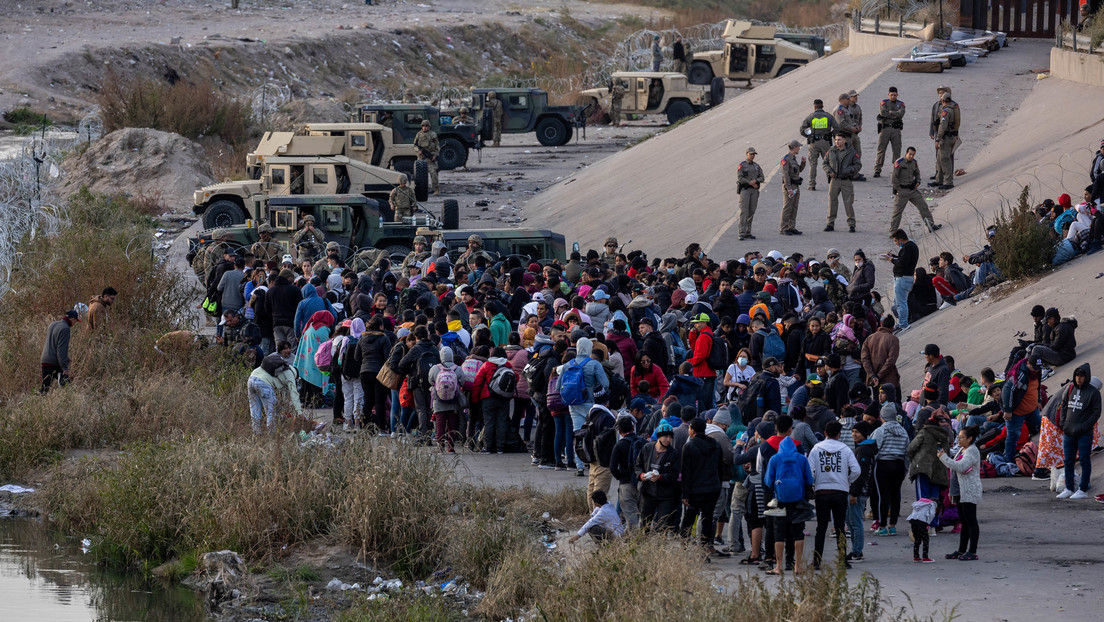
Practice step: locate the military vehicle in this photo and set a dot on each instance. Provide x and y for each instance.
(648, 92)
(405, 120)
(751, 52)
(296, 168)
(526, 110)
(356, 223)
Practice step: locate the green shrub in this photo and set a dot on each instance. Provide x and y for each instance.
(1021, 245)
(25, 116)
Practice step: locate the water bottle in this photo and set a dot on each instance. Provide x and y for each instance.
(381, 221)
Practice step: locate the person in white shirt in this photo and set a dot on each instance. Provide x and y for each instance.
(604, 523)
(834, 468)
(738, 374)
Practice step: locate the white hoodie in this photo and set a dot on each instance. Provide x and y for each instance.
(834, 466)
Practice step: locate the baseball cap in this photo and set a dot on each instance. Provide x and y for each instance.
(600, 295)
(852, 93)
(770, 361)
(751, 150)
(930, 350)
(701, 317)
(834, 360)
(638, 403)
(72, 315)
(646, 320)
(794, 143)
(822, 361)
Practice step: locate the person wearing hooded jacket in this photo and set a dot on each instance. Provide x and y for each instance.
(890, 468)
(414, 366)
(658, 469)
(676, 348)
(496, 409)
(282, 301)
(866, 451)
(308, 306)
(1061, 347)
(446, 412)
(372, 349)
(925, 469)
(788, 475)
(834, 468)
(702, 472)
(594, 377)
(1077, 417)
(863, 279)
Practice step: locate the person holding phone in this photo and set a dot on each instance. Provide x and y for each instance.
(966, 482)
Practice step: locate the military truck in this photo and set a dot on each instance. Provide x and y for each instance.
(356, 223)
(666, 93)
(751, 52)
(526, 110)
(297, 169)
(405, 120)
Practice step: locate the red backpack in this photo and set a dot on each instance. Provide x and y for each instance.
(1025, 459)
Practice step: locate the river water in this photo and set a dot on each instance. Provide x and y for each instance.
(44, 576)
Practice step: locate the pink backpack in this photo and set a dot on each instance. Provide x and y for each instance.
(323, 357)
(470, 369)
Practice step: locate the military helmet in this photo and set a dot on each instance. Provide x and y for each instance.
(611, 240)
(308, 218)
(492, 94)
(464, 110)
(420, 239)
(332, 246)
(266, 228)
(475, 239)
(216, 234)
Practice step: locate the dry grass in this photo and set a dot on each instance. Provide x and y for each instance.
(806, 14)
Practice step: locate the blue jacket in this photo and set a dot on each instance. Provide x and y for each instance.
(685, 388)
(788, 473)
(308, 306)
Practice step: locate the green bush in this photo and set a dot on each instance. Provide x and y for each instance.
(1021, 245)
(25, 116)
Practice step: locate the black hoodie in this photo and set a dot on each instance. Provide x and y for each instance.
(1080, 407)
(282, 300)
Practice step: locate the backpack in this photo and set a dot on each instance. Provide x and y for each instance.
(421, 369)
(618, 391)
(718, 353)
(573, 389)
(274, 365)
(470, 367)
(446, 387)
(553, 401)
(1025, 459)
(503, 382)
(676, 353)
(750, 400)
(349, 367)
(590, 444)
(323, 357)
(789, 479)
(773, 345)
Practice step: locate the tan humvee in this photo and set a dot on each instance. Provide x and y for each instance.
(656, 92)
(751, 52)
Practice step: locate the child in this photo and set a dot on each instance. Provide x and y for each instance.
(923, 511)
(604, 523)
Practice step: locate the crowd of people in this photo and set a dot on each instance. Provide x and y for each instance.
(741, 398)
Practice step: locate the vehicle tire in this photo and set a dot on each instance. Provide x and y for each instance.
(450, 214)
(222, 213)
(716, 92)
(405, 166)
(551, 132)
(678, 111)
(452, 154)
(700, 73)
(397, 253)
(570, 133)
(421, 180)
(785, 70)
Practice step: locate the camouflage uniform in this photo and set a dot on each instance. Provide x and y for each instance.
(946, 140)
(617, 93)
(402, 200)
(366, 259)
(746, 173)
(906, 180)
(464, 118)
(817, 128)
(206, 260)
(324, 263)
(609, 258)
(890, 115)
(791, 191)
(428, 148)
(475, 249)
(414, 256)
(270, 250)
(494, 107)
(841, 165)
(308, 243)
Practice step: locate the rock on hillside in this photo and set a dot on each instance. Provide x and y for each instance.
(142, 162)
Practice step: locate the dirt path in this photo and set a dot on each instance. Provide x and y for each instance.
(39, 34)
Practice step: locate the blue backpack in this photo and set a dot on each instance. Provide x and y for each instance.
(789, 477)
(773, 345)
(573, 389)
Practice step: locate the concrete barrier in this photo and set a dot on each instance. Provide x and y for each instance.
(1077, 66)
(865, 43)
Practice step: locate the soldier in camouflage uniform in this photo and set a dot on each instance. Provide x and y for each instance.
(267, 249)
(465, 117)
(749, 176)
(366, 260)
(475, 249)
(818, 128)
(333, 249)
(428, 148)
(609, 252)
(420, 253)
(308, 241)
(946, 140)
(402, 199)
(205, 260)
(791, 189)
(494, 107)
(891, 113)
(617, 93)
(906, 181)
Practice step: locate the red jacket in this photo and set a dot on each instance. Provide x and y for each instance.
(657, 382)
(700, 358)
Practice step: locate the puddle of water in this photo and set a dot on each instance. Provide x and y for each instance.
(44, 576)
(11, 144)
